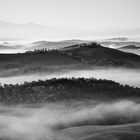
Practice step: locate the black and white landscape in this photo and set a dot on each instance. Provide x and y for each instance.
(69, 70)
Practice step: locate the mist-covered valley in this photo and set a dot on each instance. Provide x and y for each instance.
(69, 70)
(63, 121)
(53, 95)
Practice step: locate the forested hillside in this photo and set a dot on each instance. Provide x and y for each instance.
(65, 89)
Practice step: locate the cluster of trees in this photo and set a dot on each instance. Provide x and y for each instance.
(86, 45)
(44, 50)
(90, 45)
(64, 89)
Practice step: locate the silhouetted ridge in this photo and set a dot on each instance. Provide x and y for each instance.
(65, 89)
(130, 47)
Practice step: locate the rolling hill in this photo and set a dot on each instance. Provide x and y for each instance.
(26, 63)
(80, 56)
(65, 89)
(93, 53)
(129, 47)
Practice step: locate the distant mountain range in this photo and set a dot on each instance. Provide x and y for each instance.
(118, 39)
(55, 45)
(130, 47)
(36, 31)
(31, 31)
(119, 44)
(49, 45)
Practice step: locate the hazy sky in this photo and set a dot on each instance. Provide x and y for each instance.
(80, 14)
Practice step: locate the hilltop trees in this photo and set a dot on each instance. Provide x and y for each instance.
(90, 45)
(44, 50)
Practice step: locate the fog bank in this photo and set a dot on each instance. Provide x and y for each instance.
(123, 76)
(47, 121)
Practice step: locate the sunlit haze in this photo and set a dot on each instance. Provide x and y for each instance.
(63, 19)
(73, 14)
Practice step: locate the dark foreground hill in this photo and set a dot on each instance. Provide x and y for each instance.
(65, 89)
(74, 57)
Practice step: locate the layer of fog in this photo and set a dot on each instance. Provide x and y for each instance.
(124, 76)
(47, 121)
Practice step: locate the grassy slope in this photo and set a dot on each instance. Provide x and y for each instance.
(37, 58)
(35, 62)
(118, 132)
(81, 56)
(103, 53)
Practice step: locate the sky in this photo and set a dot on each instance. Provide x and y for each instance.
(73, 14)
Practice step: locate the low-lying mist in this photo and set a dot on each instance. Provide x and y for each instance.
(45, 122)
(123, 76)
